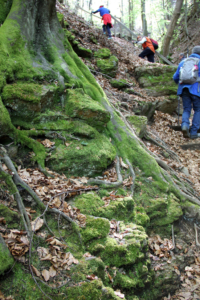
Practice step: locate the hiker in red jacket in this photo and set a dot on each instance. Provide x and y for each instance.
(106, 17)
(148, 47)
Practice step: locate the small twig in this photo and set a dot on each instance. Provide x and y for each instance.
(173, 239)
(196, 235)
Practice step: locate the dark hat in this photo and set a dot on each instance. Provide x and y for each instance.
(196, 50)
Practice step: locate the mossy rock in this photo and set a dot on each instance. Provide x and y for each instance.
(95, 228)
(79, 105)
(102, 53)
(145, 109)
(63, 23)
(87, 157)
(155, 70)
(108, 66)
(6, 259)
(139, 123)
(27, 100)
(119, 209)
(119, 84)
(116, 252)
(12, 218)
(135, 278)
(93, 38)
(82, 52)
(168, 106)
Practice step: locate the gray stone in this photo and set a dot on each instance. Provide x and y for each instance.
(167, 106)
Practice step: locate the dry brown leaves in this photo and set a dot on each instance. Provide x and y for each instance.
(2, 297)
(190, 282)
(47, 143)
(59, 259)
(160, 247)
(17, 243)
(174, 139)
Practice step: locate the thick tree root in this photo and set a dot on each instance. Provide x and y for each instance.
(133, 176)
(19, 201)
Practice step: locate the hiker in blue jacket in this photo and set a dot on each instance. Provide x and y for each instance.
(106, 18)
(190, 94)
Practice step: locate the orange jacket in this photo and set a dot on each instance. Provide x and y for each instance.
(149, 44)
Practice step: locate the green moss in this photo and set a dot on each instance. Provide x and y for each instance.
(82, 52)
(6, 260)
(79, 159)
(102, 53)
(5, 8)
(119, 209)
(118, 253)
(139, 123)
(12, 218)
(22, 90)
(80, 105)
(108, 66)
(119, 84)
(95, 228)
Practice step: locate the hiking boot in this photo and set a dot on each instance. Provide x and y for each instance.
(195, 136)
(185, 131)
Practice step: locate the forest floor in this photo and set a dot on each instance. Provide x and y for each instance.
(160, 129)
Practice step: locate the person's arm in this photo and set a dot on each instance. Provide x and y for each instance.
(142, 41)
(94, 12)
(176, 75)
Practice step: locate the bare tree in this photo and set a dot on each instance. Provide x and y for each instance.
(170, 31)
(143, 16)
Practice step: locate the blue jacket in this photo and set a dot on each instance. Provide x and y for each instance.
(102, 11)
(194, 88)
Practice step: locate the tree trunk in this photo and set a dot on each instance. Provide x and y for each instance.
(172, 25)
(143, 16)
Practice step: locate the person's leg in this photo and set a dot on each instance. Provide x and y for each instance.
(108, 30)
(104, 29)
(196, 118)
(144, 53)
(187, 106)
(150, 57)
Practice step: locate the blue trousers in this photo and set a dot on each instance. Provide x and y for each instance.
(191, 101)
(107, 27)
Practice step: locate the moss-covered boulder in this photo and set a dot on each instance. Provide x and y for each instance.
(168, 105)
(82, 157)
(26, 100)
(121, 208)
(102, 53)
(157, 80)
(95, 228)
(143, 108)
(6, 259)
(79, 105)
(12, 218)
(82, 52)
(117, 251)
(139, 123)
(108, 66)
(119, 84)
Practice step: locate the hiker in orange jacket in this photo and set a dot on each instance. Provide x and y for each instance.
(148, 47)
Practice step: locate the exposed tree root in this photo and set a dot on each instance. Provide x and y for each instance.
(108, 184)
(196, 235)
(16, 195)
(165, 147)
(133, 176)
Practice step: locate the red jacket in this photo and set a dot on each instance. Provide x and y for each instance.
(107, 19)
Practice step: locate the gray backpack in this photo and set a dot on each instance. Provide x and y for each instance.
(188, 73)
